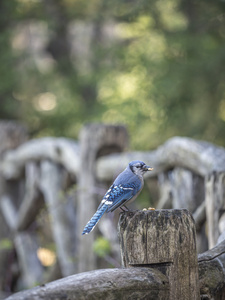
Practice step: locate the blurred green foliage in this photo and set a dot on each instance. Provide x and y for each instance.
(6, 244)
(101, 247)
(156, 66)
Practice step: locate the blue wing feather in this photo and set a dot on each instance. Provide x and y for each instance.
(118, 195)
(121, 199)
(124, 188)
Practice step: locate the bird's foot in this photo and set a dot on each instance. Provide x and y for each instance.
(127, 209)
(123, 210)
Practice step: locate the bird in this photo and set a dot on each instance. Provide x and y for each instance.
(126, 187)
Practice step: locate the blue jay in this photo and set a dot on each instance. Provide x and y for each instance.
(126, 187)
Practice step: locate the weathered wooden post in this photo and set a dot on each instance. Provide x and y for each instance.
(183, 188)
(214, 198)
(62, 214)
(95, 140)
(165, 240)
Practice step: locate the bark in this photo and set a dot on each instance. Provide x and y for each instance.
(108, 284)
(212, 273)
(165, 240)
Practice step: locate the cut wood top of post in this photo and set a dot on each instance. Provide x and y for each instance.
(164, 240)
(154, 236)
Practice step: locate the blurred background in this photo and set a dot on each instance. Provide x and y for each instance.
(155, 66)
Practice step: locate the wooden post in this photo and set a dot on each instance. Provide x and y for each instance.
(62, 214)
(33, 200)
(95, 140)
(165, 240)
(12, 134)
(30, 266)
(182, 188)
(214, 198)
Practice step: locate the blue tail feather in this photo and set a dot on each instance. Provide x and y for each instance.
(94, 220)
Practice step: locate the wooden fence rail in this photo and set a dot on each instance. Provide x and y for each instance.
(109, 284)
(38, 173)
(158, 250)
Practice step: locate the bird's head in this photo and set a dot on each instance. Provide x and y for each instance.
(139, 167)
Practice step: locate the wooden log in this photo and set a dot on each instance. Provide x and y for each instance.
(30, 266)
(187, 189)
(95, 140)
(165, 194)
(109, 284)
(62, 215)
(212, 273)
(144, 282)
(200, 157)
(184, 189)
(200, 216)
(165, 240)
(33, 200)
(215, 193)
(12, 134)
(9, 212)
(60, 150)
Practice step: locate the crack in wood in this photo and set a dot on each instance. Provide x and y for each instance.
(160, 264)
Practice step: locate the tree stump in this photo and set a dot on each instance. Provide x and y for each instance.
(165, 240)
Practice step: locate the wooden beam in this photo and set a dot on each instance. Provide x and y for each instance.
(60, 150)
(110, 284)
(212, 272)
(200, 157)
